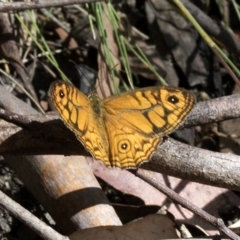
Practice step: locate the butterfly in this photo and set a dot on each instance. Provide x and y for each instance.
(125, 129)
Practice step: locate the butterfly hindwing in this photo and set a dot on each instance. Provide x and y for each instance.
(128, 148)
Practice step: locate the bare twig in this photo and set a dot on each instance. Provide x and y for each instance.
(215, 110)
(29, 219)
(19, 120)
(211, 111)
(217, 222)
(11, 6)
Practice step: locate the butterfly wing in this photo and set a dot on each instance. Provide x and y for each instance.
(76, 112)
(137, 120)
(128, 148)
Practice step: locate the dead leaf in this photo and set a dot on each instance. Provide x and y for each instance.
(152, 227)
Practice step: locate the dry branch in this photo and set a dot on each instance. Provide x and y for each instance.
(47, 135)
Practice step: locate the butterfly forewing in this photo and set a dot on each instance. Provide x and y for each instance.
(152, 111)
(68, 102)
(76, 111)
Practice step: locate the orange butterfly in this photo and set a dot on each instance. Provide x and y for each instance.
(122, 130)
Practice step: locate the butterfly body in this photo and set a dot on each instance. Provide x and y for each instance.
(122, 130)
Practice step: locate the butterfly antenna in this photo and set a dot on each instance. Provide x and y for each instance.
(87, 77)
